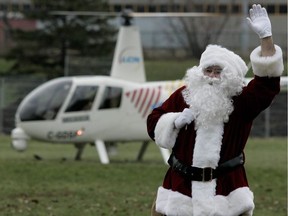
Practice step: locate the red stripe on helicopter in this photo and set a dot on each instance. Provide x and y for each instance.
(145, 97)
(155, 102)
(149, 103)
(133, 96)
(139, 97)
(158, 96)
(144, 100)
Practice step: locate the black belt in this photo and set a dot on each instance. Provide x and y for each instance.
(207, 173)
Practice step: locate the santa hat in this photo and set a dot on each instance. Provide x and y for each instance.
(217, 55)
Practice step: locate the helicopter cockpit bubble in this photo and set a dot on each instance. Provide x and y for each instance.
(44, 102)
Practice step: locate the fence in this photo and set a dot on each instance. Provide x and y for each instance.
(271, 122)
(12, 91)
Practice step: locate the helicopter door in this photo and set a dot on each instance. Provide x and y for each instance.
(111, 98)
(82, 99)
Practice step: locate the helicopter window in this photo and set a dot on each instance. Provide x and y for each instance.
(111, 98)
(82, 98)
(45, 102)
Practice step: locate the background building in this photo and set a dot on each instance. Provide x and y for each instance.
(158, 35)
(162, 38)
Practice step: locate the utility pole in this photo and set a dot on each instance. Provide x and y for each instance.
(244, 29)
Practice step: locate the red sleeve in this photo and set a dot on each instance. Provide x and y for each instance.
(257, 96)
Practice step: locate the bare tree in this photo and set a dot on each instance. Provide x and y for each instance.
(6, 30)
(195, 33)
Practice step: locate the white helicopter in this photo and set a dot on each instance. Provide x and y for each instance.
(97, 109)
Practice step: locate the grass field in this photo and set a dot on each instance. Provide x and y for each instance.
(59, 186)
(176, 69)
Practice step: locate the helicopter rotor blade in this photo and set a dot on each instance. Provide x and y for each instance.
(131, 14)
(84, 13)
(172, 14)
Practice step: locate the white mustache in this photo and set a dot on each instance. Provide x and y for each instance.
(211, 80)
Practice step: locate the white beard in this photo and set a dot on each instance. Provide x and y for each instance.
(209, 98)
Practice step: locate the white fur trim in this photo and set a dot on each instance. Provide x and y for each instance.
(165, 131)
(208, 145)
(271, 66)
(172, 203)
(206, 154)
(238, 202)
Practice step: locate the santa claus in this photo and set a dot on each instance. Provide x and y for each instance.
(206, 124)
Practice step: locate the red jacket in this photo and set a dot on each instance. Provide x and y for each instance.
(229, 194)
(254, 98)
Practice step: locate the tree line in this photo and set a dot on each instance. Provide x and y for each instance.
(44, 50)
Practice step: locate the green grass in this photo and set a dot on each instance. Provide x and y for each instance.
(176, 69)
(267, 172)
(167, 70)
(155, 69)
(58, 185)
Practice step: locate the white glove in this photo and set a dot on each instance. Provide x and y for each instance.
(259, 21)
(185, 117)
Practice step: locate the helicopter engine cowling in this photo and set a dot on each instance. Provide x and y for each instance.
(19, 139)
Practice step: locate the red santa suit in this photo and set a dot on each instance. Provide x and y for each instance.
(208, 145)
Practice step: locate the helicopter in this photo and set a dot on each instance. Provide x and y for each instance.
(97, 109)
